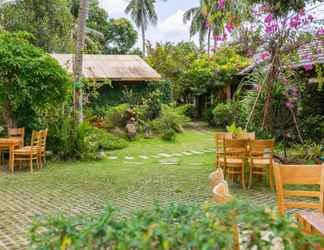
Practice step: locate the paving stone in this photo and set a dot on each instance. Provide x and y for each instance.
(112, 158)
(186, 153)
(164, 155)
(129, 158)
(144, 157)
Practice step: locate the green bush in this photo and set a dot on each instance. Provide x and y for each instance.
(173, 227)
(116, 116)
(313, 127)
(91, 139)
(170, 122)
(225, 114)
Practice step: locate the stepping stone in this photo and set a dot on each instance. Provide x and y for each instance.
(164, 155)
(169, 162)
(112, 158)
(144, 157)
(187, 153)
(177, 155)
(196, 164)
(196, 152)
(129, 158)
(132, 162)
(156, 156)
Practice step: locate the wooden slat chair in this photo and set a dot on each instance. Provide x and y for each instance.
(261, 159)
(13, 133)
(246, 135)
(30, 153)
(17, 133)
(299, 175)
(219, 143)
(234, 158)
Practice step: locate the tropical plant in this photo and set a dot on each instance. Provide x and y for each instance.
(143, 13)
(170, 122)
(175, 226)
(309, 150)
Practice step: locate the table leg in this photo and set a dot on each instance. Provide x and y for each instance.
(11, 159)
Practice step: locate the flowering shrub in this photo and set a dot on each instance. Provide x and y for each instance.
(173, 227)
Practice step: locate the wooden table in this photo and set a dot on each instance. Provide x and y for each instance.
(10, 144)
(312, 223)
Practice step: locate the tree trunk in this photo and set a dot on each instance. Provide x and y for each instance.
(7, 115)
(78, 60)
(209, 37)
(228, 93)
(143, 35)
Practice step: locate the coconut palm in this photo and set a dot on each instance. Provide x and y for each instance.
(143, 13)
(201, 20)
(78, 59)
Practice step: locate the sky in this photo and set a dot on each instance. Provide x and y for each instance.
(170, 26)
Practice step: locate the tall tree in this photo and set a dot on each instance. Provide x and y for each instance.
(143, 13)
(78, 59)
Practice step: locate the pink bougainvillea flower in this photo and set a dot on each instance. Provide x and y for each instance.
(320, 32)
(218, 38)
(268, 18)
(221, 4)
(302, 12)
(229, 27)
(206, 24)
(294, 22)
(308, 67)
(285, 81)
(271, 28)
(265, 55)
(310, 18)
(264, 7)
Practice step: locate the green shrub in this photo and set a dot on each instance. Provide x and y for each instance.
(170, 122)
(173, 227)
(313, 127)
(91, 139)
(309, 150)
(224, 114)
(116, 116)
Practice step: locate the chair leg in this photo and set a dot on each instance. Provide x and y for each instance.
(271, 176)
(243, 177)
(31, 164)
(250, 176)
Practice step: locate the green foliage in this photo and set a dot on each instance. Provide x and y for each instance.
(173, 227)
(32, 83)
(121, 36)
(234, 129)
(50, 22)
(116, 116)
(225, 114)
(309, 150)
(171, 121)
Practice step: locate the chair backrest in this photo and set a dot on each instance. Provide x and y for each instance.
(17, 133)
(44, 134)
(246, 135)
(235, 148)
(36, 139)
(299, 175)
(219, 141)
(261, 148)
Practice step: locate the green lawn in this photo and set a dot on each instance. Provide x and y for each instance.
(128, 182)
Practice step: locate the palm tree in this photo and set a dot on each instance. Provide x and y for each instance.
(143, 13)
(201, 20)
(78, 59)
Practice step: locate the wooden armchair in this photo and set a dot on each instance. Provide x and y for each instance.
(299, 175)
(30, 153)
(261, 159)
(219, 143)
(234, 159)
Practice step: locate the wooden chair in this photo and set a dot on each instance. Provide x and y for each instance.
(235, 154)
(30, 153)
(299, 175)
(42, 150)
(219, 142)
(17, 133)
(246, 135)
(14, 133)
(261, 159)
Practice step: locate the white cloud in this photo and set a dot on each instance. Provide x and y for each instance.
(171, 29)
(115, 8)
